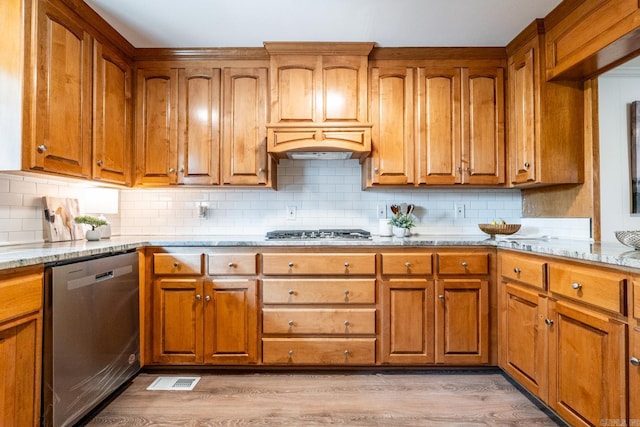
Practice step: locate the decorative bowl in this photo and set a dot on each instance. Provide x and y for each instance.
(494, 229)
(629, 238)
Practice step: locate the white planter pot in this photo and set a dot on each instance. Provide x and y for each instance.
(401, 232)
(92, 235)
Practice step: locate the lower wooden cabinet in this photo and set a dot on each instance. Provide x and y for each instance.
(634, 351)
(20, 347)
(319, 351)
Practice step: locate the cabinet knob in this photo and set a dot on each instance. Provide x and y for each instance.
(459, 169)
(41, 148)
(260, 170)
(577, 286)
(176, 264)
(198, 297)
(231, 265)
(516, 270)
(467, 169)
(346, 265)
(172, 170)
(346, 353)
(207, 298)
(464, 264)
(407, 264)
(290, 323)
(346, 323)
(290, 265)
(290, 353)
(635, 361)
(441, 297)
(526, 165)
(291, 292)
(548, 321)
(99, 162)
(181, 169)
(376, 171)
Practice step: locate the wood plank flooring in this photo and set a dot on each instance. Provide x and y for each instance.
(415, 398)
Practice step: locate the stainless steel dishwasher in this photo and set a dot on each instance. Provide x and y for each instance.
(91, 334)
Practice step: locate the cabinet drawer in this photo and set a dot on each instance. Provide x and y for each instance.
(406, 264)
(223, 264)
(344, 321)
(20, 295)
(592, 286)
(177, 264)
(523, 269)
(463, 263)
(319, 291)
(319, 351)
(318, 264)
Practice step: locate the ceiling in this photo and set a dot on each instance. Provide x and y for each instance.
(389, 23)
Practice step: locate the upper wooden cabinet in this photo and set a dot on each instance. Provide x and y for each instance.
(585, 37)
(545, 118)
(318, 97)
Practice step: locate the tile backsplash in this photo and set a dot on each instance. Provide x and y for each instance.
(325, 194)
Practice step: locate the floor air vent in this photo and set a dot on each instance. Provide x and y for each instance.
(174, 383)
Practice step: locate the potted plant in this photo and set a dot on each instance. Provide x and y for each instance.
(94, 222)
(402, 224)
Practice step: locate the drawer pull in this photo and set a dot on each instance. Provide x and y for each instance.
(290, 353)
(577, 286)
(464, 264)
(198, 297)
(346, 353)
(290, 322)
(548, 321)
(346, 265)
(176, 264)
(407, 264)
(346, 291)
(231, 265)
(635, 361)
(291, 292)
(346, 323)
(290, 265)
(516, 270)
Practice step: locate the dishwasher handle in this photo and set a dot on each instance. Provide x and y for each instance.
(104, 276)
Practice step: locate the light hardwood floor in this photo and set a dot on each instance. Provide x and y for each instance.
(440, 398)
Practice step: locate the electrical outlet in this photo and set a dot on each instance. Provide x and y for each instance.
(460, 210)
(291, 213)
(381, 211)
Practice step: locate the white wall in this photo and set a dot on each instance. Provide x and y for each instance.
(616, 90)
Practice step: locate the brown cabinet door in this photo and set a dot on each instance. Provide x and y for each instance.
(112, 117)
(294, 81)
(156, 126)
(462, 316)
(587, 366)
(231, 322)
(244, 135)
(199, 126)
(523, 337)
(392, 114)
(177, 321)
(522, 124)
(483, 143)
(634, 369)
(62, 141)
(408, 321)
(439, 118)
(20, 364)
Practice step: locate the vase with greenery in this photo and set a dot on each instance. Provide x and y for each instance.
(92, 221)
(402, 224)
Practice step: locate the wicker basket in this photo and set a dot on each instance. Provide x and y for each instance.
(629, 238)
(494, 229)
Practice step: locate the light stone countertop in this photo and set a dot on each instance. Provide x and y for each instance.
(613, 254)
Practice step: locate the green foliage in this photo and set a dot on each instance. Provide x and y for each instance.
(91, 220)
(402, 220)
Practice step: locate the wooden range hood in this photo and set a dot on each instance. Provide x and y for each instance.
(319, 100)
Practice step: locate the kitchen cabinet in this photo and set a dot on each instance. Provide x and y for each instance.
(199, 107)
(392, 114)
(460, 136)
(541, 113)
(318, 97)
(522, 340)
(112, 148)
(20, 346)
(462, 308)
(156, 126)
(407, 292)
(634, 350)
(315, 313)
(585, 37)
(61, 139)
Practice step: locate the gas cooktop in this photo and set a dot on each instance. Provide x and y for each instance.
(342, 234)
